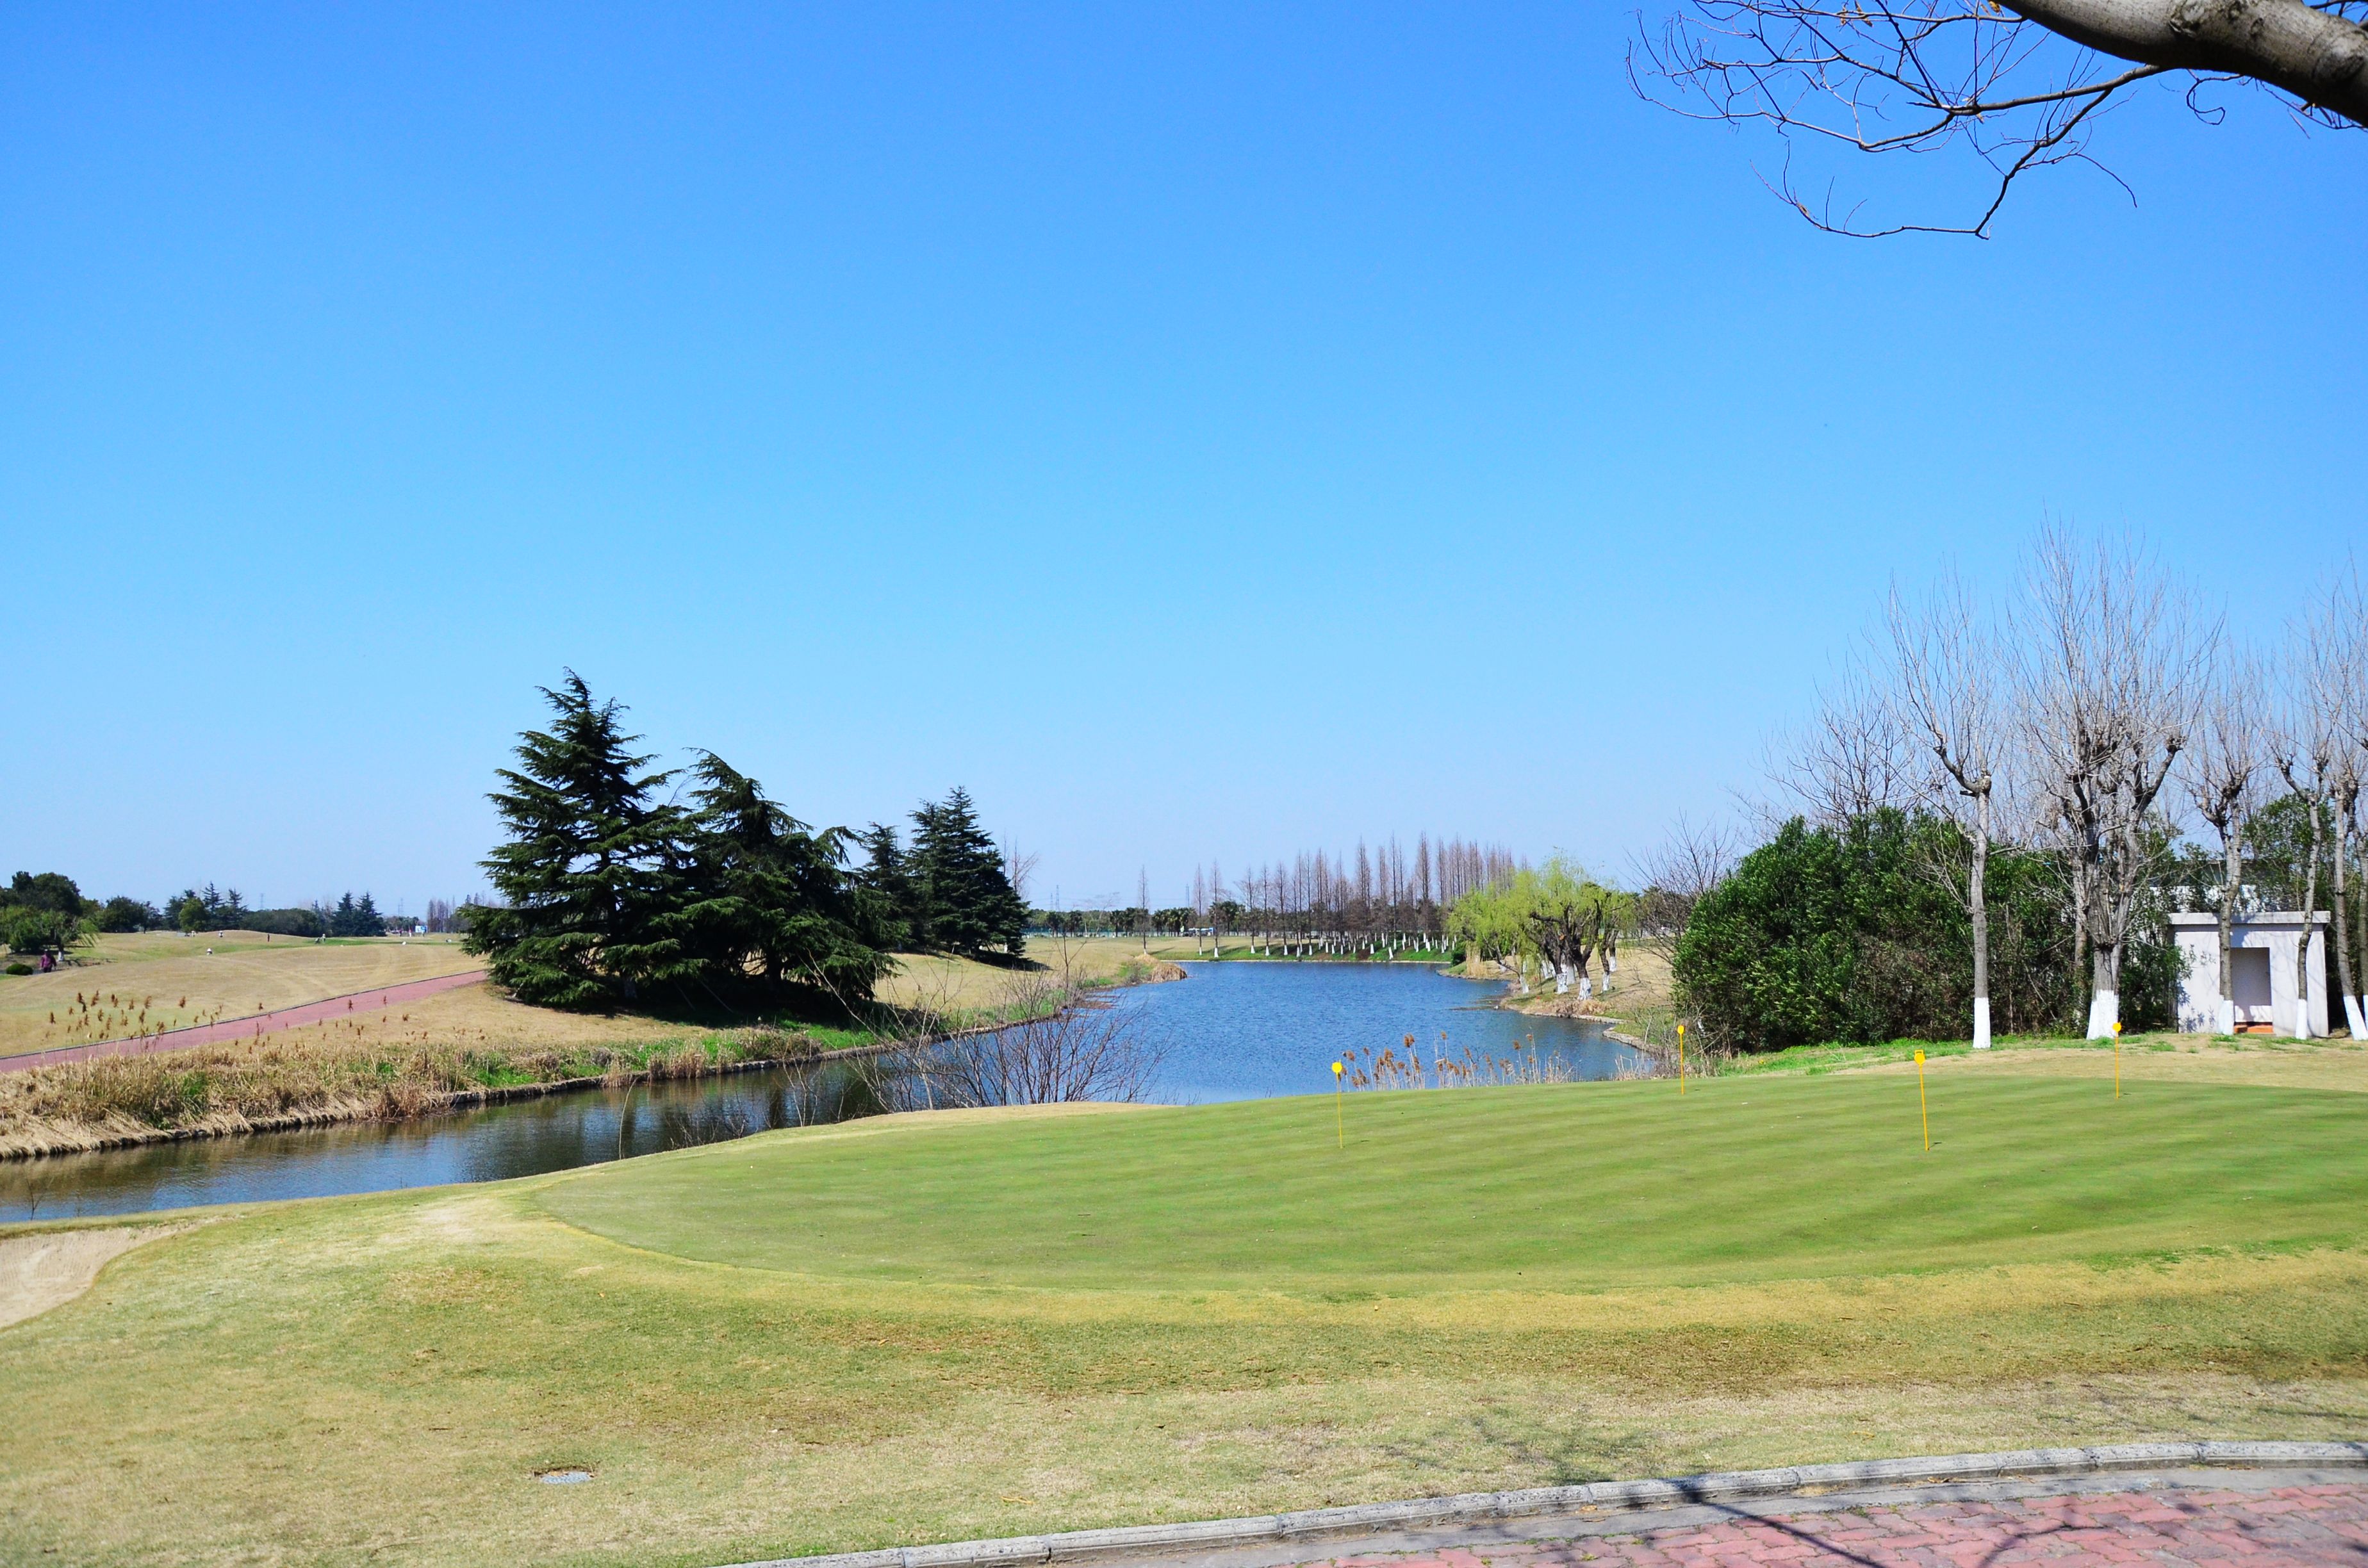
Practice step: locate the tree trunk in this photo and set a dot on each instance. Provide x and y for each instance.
(2104, 997)
(2232, 840)
(2319, 57)
(2309, 913)
(2352, 1018)
(1981, 922)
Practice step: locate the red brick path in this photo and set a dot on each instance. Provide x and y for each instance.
(2183, 1525)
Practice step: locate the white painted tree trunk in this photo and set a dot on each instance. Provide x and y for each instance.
(1586, 987)
(2104, 1011)
(1561, 978)
(2227, 1016)
(1981, 1023)
(2351, 1015)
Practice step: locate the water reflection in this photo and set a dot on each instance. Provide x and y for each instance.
(488, 1144)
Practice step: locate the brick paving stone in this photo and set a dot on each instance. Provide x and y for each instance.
(2314, 1527)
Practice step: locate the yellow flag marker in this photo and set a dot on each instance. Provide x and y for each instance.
(2117, 1059)
(1339, 1106)
(1682, 1058)
(1923, 1110)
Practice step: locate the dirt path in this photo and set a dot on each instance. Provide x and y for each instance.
(50, 1268)
(252, 1028)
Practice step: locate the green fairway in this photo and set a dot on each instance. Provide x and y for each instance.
(976, 1324)
(1575, 1188)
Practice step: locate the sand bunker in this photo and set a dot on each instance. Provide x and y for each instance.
(50, 1268)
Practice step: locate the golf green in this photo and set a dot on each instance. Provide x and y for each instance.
(1584, 1187)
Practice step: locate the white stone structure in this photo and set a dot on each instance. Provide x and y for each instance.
(2264, 958)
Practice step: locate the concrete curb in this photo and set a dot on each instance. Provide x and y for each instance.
(1601, 1496)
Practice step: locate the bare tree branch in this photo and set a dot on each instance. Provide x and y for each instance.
(2016, 83)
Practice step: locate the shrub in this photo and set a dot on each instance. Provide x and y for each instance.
(119, 915)
(20, 968)
(1852, 934)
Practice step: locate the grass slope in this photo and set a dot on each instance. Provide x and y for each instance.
(976, 1324)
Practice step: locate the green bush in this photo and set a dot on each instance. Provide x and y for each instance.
(20, 967)
(281, 922)
(29, 930)
(1855, 935)
(119, 915)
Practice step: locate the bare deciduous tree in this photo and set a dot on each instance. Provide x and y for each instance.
(1851, 758)
(2350, 620)
(2018, 84)
(2223, 771)
(2314, 751)
(2111, 665)
(1693, 859)
(1946, 683)
(1064, 1048)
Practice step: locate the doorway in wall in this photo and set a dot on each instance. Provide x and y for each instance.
(2250, 975)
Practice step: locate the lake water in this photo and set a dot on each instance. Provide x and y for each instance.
(1249, 1030)
(1234, 1031)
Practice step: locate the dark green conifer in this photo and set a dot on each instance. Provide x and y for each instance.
(588, 868)
(967, 897)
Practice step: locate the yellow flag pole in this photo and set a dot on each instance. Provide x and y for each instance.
(1682, 1058)
(1339, 1106)
(1922, 1109)
(2117, 1059)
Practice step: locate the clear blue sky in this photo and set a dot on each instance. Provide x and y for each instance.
(1201, 430)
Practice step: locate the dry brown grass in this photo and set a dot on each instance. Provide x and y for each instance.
(939, 983)
(2177, 1059)
(386, 1069)
(146, 984)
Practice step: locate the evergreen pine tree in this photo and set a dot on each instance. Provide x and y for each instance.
(969, 902)
(588, 866)
(887, 907)
(765, 899)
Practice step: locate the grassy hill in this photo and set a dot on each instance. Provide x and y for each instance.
(939, 1326)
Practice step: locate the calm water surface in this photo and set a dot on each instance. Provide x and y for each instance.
(1232, 1031)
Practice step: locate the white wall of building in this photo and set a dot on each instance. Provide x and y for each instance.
(2199, 988)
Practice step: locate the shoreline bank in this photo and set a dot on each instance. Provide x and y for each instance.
(33, 1136)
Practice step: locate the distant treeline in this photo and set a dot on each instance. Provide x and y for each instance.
(47, 913)
(1380, 899)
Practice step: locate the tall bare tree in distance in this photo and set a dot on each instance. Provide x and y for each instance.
(1851, 758)
(2312, 748)
(1945, 672)
(2348, 622)
(2014, 84)
(1682, 869)
(2111, 666)
(2224, 774)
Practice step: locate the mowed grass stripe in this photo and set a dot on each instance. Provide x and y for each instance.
(1581, 1187)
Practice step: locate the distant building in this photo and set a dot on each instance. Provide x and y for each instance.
(2263, 958)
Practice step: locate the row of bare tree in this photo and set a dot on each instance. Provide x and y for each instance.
(1382, 899)
(2089, 717)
